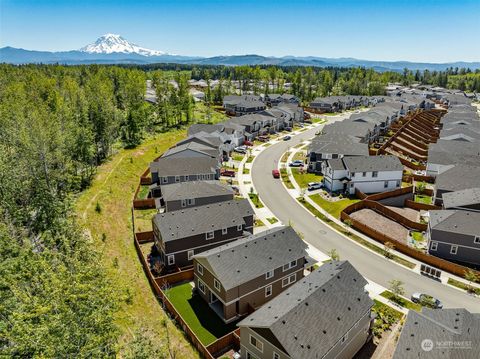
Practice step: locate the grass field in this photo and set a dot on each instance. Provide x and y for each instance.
(423, 199)
(237, 157)
(418, 236)
(304, 178)
(113, 188)
(197, 314)
(401, 301)
(202, 111)
(334, 207)
(143, 192)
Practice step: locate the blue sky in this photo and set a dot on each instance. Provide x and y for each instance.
(426, 30)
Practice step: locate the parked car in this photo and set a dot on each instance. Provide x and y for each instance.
(240, 149)
(314, 185)
(286, 138)
(426, 300)
(248, 143)
(289, 129)
(276, 173)
(227, 173)
(263, 138)
(296, 163)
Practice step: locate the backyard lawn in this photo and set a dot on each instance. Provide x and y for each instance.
(207, 326)
(334, 207)
(143, 192)
(420, 198)
(418, 236)
(143, 219)
(304, 178)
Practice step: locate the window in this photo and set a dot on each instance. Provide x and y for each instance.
(276, 355)
(239, 227)
(353, 174)
(216, 284)
(199, 269)
(385, 184)
(191, 201)
(289, 265)
(256, 343)
(190, 255)
(398, 183)
(364, 174)
(289, 280)
(171, 260)
(269, 274)
(374, 174)
(209, 235)
(434, 246)
(201, 286)
(453, 249)
(477, 239)
(186, 177)
(268, 291)
(177, 178)
(224, 230)
(184, 203)
(164, 179)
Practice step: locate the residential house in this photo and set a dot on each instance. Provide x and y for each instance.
(369, 174)
(455, 236)
(326, 315)
(167, 170)
(193, 149)
(439, 333)
(332, 146)
(276, 99)
(445, 154)
(326, 104)
(177, 196)
(467, 199)
(243, 105)
(240, 276)
(180, 234)
(457, 178)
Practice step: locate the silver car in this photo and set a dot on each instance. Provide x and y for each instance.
(426, 300)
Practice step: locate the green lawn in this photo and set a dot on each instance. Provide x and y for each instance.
(304, 178)
(250, 159)
(143, 219)
(401, 301)
(246, 171)
(272, 220)
(418, 236)
(285, 179)
(420, 198)
(335, 207)
(237, 157)
(463, 286)
(256, 201)
(143, 192)
(197, 314)
(208, 115)
(258, 223)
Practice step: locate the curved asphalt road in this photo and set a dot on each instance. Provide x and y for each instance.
(374, 267)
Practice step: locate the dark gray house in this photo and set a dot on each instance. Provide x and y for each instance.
(327, 314)
(180, 234)
(178, 196)
(439, 333)
(242, 105)
(457, 178)
(167, 170)
(467, 199)
(455, 236)
(326, 104)
(275, 99)
(238, 277)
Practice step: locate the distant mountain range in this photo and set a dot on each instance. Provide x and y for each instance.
(114, 49)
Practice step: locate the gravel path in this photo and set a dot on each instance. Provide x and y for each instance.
(381, 224)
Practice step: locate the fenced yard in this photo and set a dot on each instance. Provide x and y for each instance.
(206, 325)
(334, 207)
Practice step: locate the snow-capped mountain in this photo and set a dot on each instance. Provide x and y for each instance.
(112, 43)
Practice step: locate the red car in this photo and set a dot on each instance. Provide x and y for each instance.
(248, 143)
(227, 173)
(276, 173)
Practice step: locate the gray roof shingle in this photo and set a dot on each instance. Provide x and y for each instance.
(456, 221)
(458, 178)
(166, 166)
(202, 219)
(311, 316)
(466, 197)
(194, 189)
(248, 258)
(373, 163)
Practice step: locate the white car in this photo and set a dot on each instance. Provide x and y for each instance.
(296, 163)
(312, 186)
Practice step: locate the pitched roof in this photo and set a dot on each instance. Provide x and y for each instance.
(336, 164)
(458, 178)
(311, 316)
(202, 219)
(193, 146)
(194, 189)
(456, 221)
(373, 163)
(466, 197)
(174, 166)
(248, 258)
(454, 333)
(337, 143)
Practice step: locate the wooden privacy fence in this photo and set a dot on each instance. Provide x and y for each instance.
(423, 178)
(221, 345)
(389, 194)
(405, 249)
(420, 206)
(147, 203)
(144, 237)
